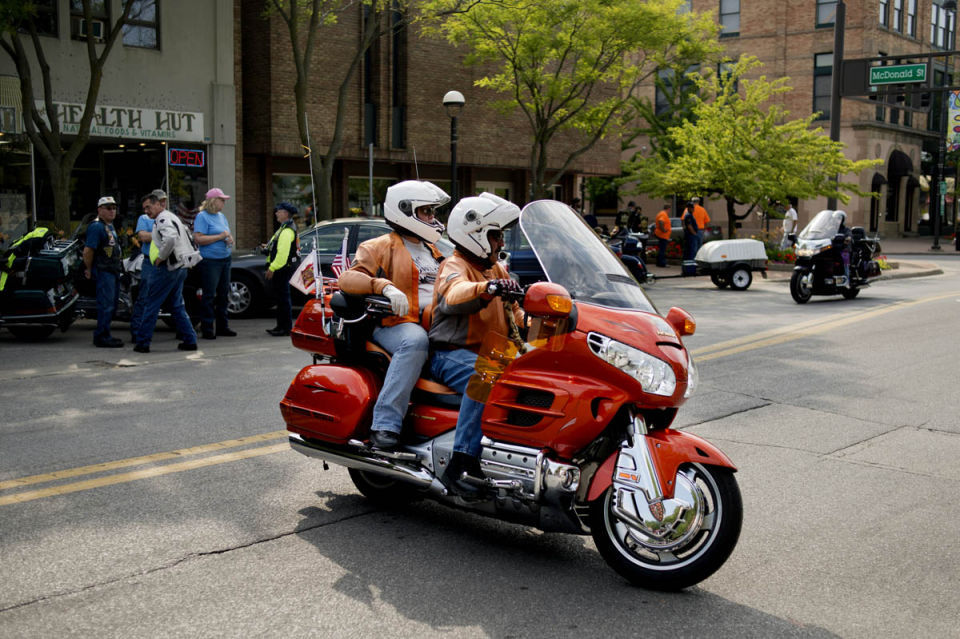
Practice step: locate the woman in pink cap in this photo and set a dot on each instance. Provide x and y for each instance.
(212, 232)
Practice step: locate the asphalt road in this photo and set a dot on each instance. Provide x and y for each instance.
(155, 495)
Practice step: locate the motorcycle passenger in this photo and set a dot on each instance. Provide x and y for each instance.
(467, 283)
(401, 265)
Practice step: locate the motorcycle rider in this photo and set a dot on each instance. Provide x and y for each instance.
(402, 265)
(467, 283)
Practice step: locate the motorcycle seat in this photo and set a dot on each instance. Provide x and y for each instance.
(426, 390)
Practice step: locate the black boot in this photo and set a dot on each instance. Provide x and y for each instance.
(461, 463)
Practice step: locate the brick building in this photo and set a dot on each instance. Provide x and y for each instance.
(796, 39)
(395, 103)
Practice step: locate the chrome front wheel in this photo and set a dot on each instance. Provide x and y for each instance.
(673, 543)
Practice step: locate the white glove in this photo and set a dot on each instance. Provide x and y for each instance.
(398, 300)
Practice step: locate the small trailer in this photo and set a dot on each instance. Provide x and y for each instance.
(727, 262)
(732, 262)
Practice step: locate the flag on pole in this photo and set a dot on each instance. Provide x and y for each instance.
(304, 278)
(341, 262)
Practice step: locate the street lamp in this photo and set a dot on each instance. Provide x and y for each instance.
(453, 103)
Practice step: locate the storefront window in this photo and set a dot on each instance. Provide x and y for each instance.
(15, 196)
(297, 190)
(358, 197)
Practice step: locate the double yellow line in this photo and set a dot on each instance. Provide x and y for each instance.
(706, 353)
(153, 471)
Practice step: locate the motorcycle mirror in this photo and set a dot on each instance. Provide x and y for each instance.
(681, 321)
(546, 299)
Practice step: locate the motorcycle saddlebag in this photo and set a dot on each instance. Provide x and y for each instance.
(309, 332)
(331, 403)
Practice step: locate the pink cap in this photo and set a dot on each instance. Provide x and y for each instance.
(215, 192)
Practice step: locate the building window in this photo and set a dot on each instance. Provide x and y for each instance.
(44, 18)
(662, 100)
(910, 28)
(724, 69)
(826, 12)
(140, 29)
(730, 17)
(884, 13)
(685, 7)
(896, 23)
(822, 84)
(99, 26)
(942, 26)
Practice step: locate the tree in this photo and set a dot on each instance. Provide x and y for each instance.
(305, 20)
(742, 146)
(572, 65)
(43, 126)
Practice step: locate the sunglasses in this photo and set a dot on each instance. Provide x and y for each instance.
(112, 207)
(495, 235)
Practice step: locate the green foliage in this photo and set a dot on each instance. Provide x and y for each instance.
(741, 145)
(571, 65)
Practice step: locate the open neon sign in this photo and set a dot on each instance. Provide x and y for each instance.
(187, 157)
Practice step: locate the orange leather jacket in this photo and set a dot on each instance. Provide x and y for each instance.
(463, 311)
(381, 261)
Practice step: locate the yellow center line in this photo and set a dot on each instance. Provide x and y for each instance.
(145, 473)
(801, 330)
(137, 461)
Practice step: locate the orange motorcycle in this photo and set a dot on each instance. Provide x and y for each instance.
(577, 415)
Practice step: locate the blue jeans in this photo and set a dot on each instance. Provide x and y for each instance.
(215, 281)
(136, 315)
(409, 347)
(166, 284)
(454, 369)
(107, 295)
(662, 251)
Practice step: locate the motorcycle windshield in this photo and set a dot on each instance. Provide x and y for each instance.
(572, 255)
(823, 226)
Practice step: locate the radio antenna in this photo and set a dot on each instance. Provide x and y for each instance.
(415, 166)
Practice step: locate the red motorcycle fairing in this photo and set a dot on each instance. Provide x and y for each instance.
(562, 398)
(332, 403)
(669, 449)
(308, 332)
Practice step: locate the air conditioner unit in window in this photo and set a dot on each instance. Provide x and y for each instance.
(96, 29)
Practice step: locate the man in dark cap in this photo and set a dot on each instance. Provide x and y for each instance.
(283, 256)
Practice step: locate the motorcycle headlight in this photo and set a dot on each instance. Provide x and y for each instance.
(804, 252)
(655, 375)
(693, 377)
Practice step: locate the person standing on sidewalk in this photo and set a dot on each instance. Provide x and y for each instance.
(702, 217)
(172, 253)
(789, 226)
(212, 233)
(283, 258)
(101, 260)
(690, 237)
(662, 231)
(153, 204)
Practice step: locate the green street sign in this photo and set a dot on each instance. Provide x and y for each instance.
(943, 188)
(898, 74)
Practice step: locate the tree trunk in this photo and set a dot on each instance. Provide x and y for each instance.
(731, 218)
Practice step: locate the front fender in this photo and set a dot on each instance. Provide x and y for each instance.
(669, 449)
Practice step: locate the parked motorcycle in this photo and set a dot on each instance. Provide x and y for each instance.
(37, 293)
(832, 260)
(576, 423)
(631, 248)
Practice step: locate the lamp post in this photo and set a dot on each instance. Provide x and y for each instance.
(453, 103)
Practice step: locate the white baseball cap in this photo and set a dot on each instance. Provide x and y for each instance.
(106, 199)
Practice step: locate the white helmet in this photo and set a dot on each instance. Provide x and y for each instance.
(472, 217)
(404, 198)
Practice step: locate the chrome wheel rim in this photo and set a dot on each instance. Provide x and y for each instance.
(239, 298)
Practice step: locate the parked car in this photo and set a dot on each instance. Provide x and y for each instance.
(710, 233)
(250, 295)
(522, 262)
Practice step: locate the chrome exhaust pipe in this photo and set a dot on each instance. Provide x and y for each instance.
(361, 461)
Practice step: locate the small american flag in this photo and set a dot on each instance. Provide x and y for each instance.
(341, 262)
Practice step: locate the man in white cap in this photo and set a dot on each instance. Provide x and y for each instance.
(101, 260)
(153, 204)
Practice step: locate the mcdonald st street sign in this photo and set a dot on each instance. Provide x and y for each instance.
(898, 74)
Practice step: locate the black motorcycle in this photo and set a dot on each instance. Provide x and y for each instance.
(37, 292)
(631, 248)
(833, 260)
